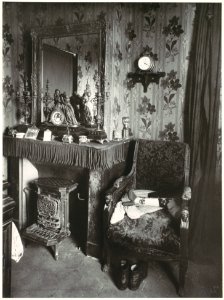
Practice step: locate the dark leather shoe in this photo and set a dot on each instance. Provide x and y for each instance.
(135, 277)
(122, 275)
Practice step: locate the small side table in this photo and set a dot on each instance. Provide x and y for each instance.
(52, 212)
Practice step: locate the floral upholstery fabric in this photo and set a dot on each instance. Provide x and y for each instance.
(160, 167)
(173, 206)
(158, 231)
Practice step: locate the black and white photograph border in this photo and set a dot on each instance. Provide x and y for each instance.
(107, 243)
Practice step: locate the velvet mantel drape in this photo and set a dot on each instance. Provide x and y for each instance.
(201, 127)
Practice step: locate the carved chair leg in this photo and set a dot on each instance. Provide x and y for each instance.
(182, 275)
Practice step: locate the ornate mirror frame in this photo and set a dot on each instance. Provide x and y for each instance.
(40, 33)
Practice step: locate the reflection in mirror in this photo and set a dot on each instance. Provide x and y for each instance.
(71, 59)
(58, 64)
(60, 70)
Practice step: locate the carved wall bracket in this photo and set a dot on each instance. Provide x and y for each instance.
(145, 78)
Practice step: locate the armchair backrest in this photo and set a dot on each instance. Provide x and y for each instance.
(162, 166)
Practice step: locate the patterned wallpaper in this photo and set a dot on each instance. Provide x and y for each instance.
(164, 29)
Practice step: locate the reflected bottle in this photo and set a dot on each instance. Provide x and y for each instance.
(126, 129)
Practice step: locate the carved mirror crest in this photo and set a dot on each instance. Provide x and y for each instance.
(71, 59)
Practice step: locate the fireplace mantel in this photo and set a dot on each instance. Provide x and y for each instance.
(92, 155)
(93, 166)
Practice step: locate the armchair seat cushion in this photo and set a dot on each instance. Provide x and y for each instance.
(157, 231)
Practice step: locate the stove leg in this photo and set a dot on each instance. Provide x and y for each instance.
(55, 248)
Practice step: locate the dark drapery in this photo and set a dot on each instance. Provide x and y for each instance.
(201, 127)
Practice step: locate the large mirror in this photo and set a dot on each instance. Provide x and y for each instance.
(68, 70)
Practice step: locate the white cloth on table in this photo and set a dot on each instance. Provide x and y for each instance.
(17, 245)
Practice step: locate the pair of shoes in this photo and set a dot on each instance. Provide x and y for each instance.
(130, 276)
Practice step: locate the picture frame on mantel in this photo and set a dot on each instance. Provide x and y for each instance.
(32, 133)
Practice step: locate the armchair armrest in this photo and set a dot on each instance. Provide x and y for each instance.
(119, 188)
(184, 223)
(186, 196)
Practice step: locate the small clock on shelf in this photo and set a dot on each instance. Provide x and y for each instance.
(57, 117)
(145, 73)
(146, 63)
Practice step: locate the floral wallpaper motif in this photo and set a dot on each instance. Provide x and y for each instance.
(78, 15)
(130, 35)
(39, 13)
(8, 91)
(8, 88)
(117, 58)
(172, 32)
(168, 134)
(170, 85)
(150, 17)
(7, 42)
(146, 109)
(116, 113)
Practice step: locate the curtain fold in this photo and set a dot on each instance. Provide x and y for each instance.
(201, 128)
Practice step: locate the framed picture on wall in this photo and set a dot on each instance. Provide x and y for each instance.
(32, 133)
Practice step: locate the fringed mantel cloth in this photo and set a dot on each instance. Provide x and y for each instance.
(91, 156)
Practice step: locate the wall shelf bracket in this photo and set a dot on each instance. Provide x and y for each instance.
(145, 78)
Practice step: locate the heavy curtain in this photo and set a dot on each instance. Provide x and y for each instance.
(201, 128)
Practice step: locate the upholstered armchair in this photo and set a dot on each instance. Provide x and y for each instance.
(163, 167)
